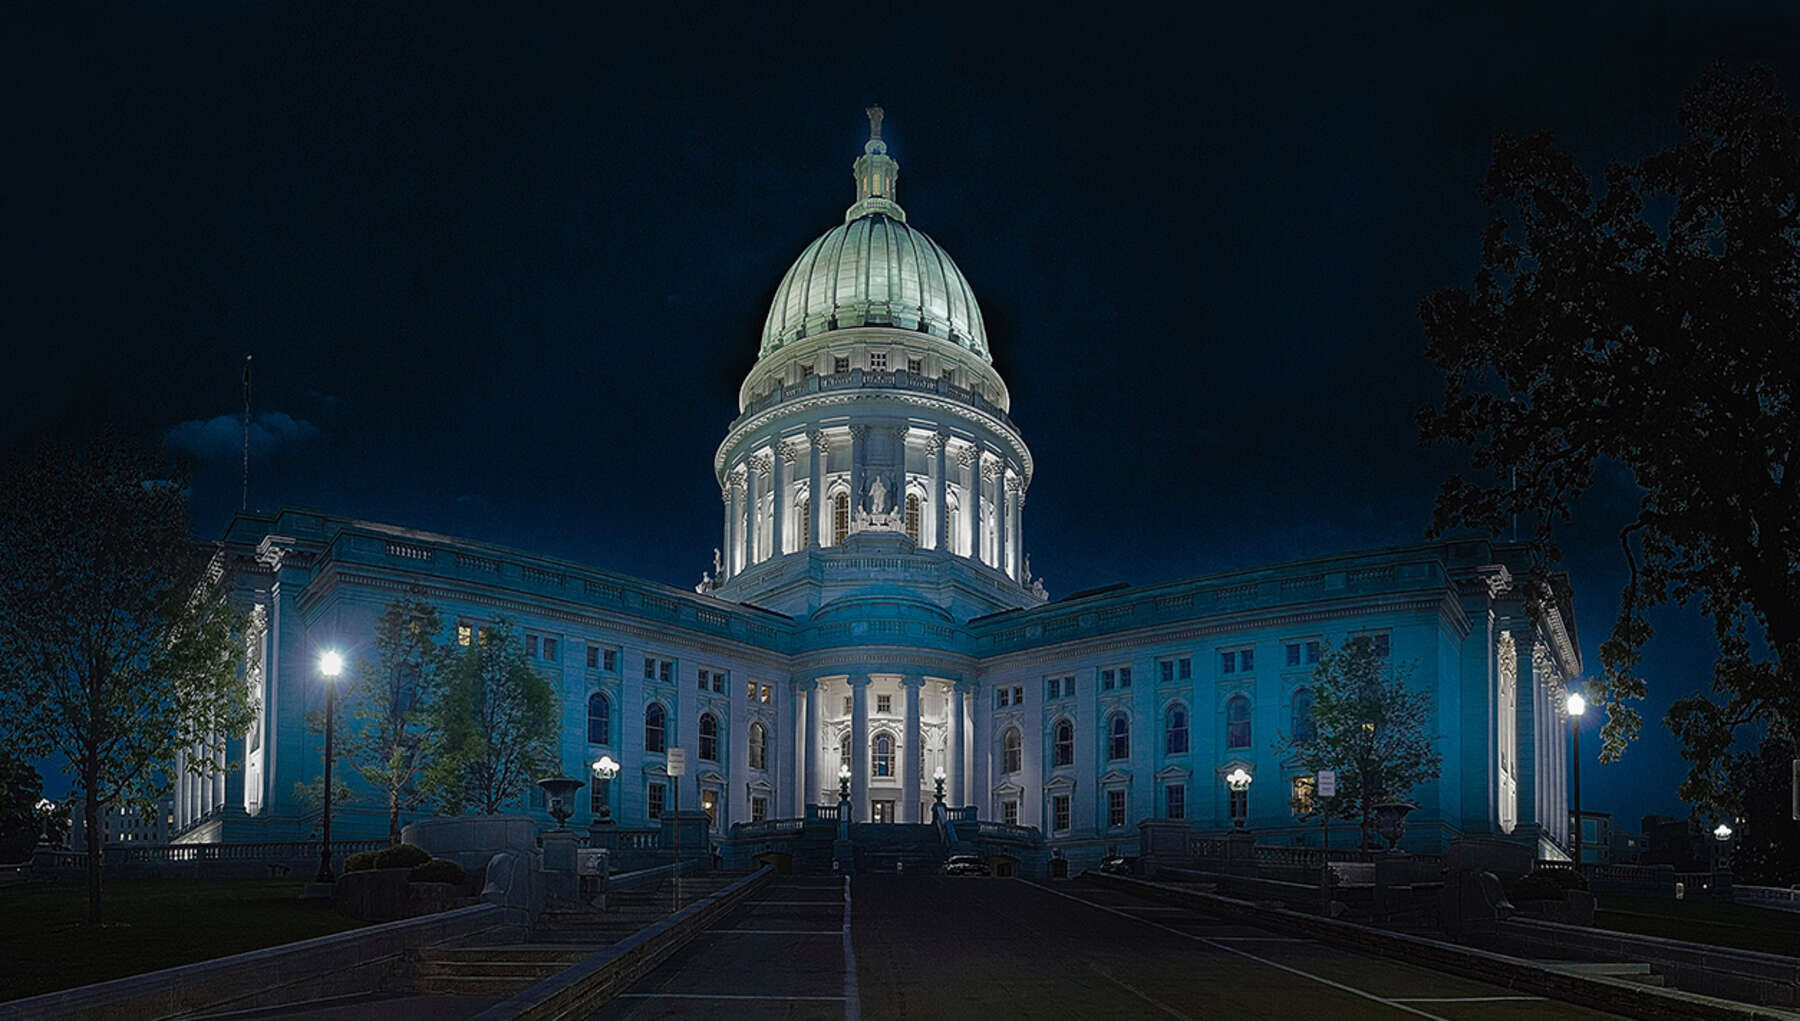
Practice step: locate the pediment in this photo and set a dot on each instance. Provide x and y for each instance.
(1116, 776)
(1173, 774)
(1061, 784)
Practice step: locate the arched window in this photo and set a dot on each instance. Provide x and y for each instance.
(1011, 751)
(1063, 747)
(709, 737)
(759, 740)
(655, 728)
(1237, 722)
(1118, 737)
(1175, 730)
(840, 518)
(599, 719)
(804, 525)
(912, 517)
(1305, 729)
(884, 755)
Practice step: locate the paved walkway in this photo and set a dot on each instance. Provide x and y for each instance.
(917, 947)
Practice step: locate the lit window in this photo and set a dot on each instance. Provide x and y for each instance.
(709, 737)
(464, 634)
(768, 693)
(840, 518)
(759, 742)
(1118, 737)
(912, 517)
(655, 728)
(655, 809)
(1059, 812)
(1176, 733)
(1063, 747)
(750, 690)
(1237, 722)
(599, 719)
(1012, 747)
(1304, 789)
(1175, 801)
(1115, 808)
(884, 755)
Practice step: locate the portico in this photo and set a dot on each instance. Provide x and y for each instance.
(894, 731)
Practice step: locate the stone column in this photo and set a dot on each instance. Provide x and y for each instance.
(970, 458)
(859, 450)
(909, 780)
(785, 455)
(726, 562)
(981, 744)
(940, 518)
(959, 764)
(1009, 524)
(181, 806)
(739, 552)
(816, 497)
(1015, 501)
(859, 745)
(991, 472)
(809, 759)
(758, 465)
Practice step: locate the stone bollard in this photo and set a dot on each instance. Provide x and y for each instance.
(1393, 882)
(1240, 853)
(562, 883)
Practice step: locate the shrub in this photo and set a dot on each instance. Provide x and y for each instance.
(402, 856)
(438, 870)
(361, 861)
(1546, 883)
(1565, 876)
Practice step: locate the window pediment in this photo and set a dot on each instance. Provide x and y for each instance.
(1116, 777)
(1061, 785)
(1173, 774)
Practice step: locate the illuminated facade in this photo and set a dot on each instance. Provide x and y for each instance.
(870, 604)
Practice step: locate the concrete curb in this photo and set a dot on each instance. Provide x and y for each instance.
(597, 978)
(1628, 998)
(355, 961)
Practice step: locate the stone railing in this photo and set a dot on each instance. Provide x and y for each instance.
(619, 839)
(824, 813)
(1008, 832)
(873, 379)
(182, 854)
(1651, 879)
(963, 814)
(1773, 896)
(767, 828)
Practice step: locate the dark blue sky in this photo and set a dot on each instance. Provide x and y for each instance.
(502, 279)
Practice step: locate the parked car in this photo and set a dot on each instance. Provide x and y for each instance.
(965, 865)
(1116, 864)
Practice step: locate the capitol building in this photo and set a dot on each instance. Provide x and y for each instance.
(871, 605)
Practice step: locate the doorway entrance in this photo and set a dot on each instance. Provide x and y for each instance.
(882, 811)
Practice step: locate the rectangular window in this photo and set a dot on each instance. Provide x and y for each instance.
(531, 646)
(759, 809)
(593, 660)
(884, 703)
(1002, 698)
(806, 371)
(655, 809)
(609, 659)
(1165, 671)
(840, 365)
(1228, 662)
(1009, 813)
(1107, 680)
(464, 634)
(550, 650)
(1239, 802)
(1124, 677)
(718, 682)
(915, 366)
(1383, 644)
(1184, 669)
(750, 690)
(1293, 654)
(948, 376)
(877, 359)
(666, 671)
(768, 693)
(1018, 694)
(597, 794)
(1246, 660)
(1175, 801)
(1115, 808)
(1059, 812)
(649, 669)
(705, 679)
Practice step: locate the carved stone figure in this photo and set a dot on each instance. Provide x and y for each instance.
(718, 562)
(877, 497)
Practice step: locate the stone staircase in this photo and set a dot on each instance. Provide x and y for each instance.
(560, 939)
(897, 847)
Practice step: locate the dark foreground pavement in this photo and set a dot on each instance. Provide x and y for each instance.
(933, 947)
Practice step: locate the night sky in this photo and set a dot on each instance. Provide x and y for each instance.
(501, 279)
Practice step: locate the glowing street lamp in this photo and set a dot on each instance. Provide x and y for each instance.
(937, 777)
(604, 771)
(1722, 832)
(844, 782)
(1239, 782)
(1576, 706)
(331, 664)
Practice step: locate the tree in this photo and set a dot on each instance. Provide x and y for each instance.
(1369, 726)
(390, 743)
(497, 721)
(1652, 326)
(21, 788)
(1767, 851)
(117, 644)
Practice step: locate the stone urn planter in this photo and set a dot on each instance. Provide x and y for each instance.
(1390, 820)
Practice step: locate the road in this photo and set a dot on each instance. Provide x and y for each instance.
(898, 947)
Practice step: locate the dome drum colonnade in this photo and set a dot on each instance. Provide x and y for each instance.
(873, 402)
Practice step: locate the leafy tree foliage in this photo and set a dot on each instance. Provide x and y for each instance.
(497, 721)
(117, 646)
(1371, 727)
(1652, 326)
(389, 741)
(1768, 836)
(21, 824)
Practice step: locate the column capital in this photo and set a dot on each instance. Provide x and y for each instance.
(761, 463)
(805, 684)
(991, 468)
(966, 687)
(725, 493)
(858, 680)
(934, 443)
(818, 439)
(1015, 485)
(859, 432)
(789, 451)
(911, 681)
(966, 455)
(737, 478)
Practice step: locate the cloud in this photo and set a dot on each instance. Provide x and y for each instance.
(222, 436)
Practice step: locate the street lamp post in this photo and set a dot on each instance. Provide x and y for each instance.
(330, 666)
(1577, 706)
(1239, 783)
(938, 778)
(604, 771)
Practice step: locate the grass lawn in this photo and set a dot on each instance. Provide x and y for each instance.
(1719, 923)
(150, 924)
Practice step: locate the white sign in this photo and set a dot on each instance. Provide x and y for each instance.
(1327, 783)
(677, 765)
